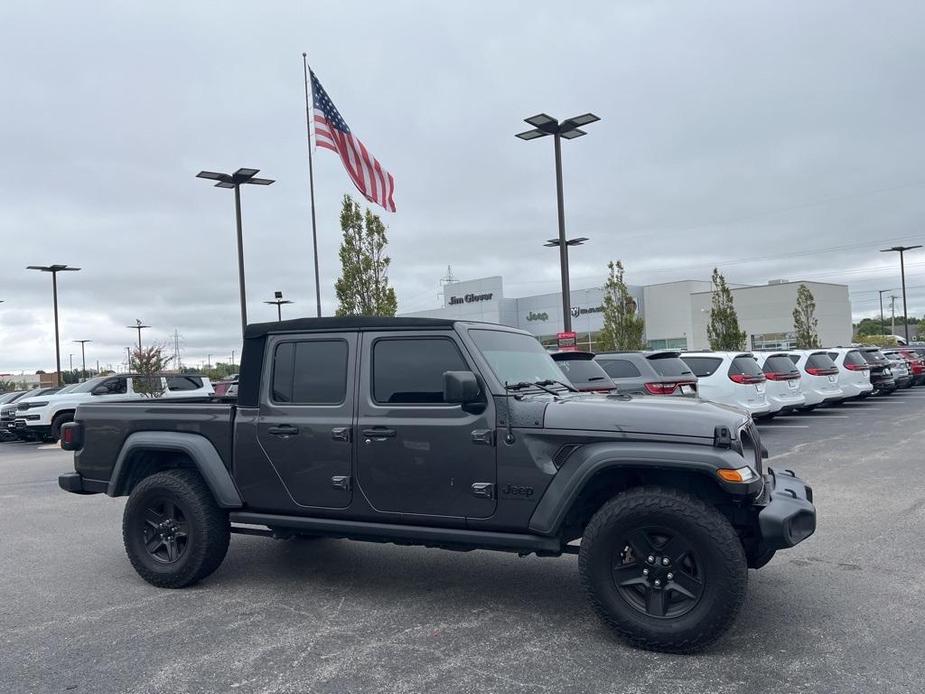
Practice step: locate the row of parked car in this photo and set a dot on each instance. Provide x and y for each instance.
(39, 414)
(763, 383)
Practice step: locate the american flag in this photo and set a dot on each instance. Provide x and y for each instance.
(331, 132)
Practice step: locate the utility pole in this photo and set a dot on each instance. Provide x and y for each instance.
(881, 292)
(893, 312)
(128, 359)
(83, 358)
(176, 348)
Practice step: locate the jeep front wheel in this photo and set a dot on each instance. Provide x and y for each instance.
(665, 570)
(174, 533)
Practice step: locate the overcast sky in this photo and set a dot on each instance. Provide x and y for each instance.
(775, 140)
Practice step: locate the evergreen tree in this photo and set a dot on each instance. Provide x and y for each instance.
(623, 326)
(363, 286)
(804, 319)
(723, 330)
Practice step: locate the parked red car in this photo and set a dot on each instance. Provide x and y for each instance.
(916, 365)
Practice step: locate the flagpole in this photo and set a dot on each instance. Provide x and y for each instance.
(311, 180)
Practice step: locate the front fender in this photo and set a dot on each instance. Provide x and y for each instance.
(590, 459)
(199, 449)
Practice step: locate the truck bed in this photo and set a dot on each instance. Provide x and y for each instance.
(113, 422)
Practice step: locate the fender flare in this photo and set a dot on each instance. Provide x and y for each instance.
(199, 449)
(580, 468)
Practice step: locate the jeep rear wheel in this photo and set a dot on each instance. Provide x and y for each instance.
(663, 569)
(174, 533)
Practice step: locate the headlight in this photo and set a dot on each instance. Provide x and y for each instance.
(742, 475)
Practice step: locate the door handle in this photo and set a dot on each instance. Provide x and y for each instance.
(283, 430)
(378, 434)
(341, 434)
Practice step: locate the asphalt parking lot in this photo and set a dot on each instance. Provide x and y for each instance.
(843, 612)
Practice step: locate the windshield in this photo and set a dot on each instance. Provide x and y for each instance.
(87, 386)
(516, 358)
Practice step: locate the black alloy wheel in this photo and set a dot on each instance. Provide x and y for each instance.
(657, 572)
(165, 532)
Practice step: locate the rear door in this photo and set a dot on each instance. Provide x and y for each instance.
(305, 424)
(417, 454)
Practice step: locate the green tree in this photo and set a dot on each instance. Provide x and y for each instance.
(805, 323)
(723, 330)
(148, 363)
(363, 286)
(623, 326)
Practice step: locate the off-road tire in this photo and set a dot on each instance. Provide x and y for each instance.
(59, 421)
(207, 529)
(724, 573)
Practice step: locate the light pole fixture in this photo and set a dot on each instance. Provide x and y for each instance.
(279, 301)
(902, 269)
(553, 243)
(235, 181)
(54, 270)
(139, 326)
(568, 129)
(83, 357)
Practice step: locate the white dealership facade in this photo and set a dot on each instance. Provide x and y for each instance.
(676, 313)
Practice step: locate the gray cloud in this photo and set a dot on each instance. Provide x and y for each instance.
(744, 136)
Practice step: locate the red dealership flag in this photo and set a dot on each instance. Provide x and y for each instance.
(332, 132)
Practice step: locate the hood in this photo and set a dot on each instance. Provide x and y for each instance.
(643, 414)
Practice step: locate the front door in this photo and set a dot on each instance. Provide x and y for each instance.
(417, 454)
(305, 425)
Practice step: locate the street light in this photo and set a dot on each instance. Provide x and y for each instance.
(902, 268)
(881, 292)
(235, 180)
(569, 129)
(279, 301)
(139, 326)
(83, 357)
(54, 270)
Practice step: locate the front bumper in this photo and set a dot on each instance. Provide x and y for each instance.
(789, 516)
(76, 483)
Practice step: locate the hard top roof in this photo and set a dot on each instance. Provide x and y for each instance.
(336, 323)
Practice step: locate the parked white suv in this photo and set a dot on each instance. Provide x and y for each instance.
(42, 417)
(819, 377)
(784, 390)
(853, 372)
(730, 378)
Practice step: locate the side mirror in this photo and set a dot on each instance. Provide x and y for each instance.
(100, 390)
(460, 387)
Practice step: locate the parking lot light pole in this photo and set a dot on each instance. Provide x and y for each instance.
(902, 269)
(139, 326)
(279, 301)
(881, 292)
(83, 357)
(235, 181)
(54, 270)
(569, 129)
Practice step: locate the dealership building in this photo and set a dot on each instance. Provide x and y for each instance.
(676, 314)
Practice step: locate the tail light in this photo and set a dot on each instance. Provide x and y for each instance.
(660, 388)
(72, 436)
(747, 379)
(813, 371)
(856, 367)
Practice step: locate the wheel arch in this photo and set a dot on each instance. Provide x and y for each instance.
(147, 452)
(597, 472)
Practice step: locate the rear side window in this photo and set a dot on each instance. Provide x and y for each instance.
(184, 383)
(820, 360)
(669, 366)
(744, 365)
(779, 365)
(703, 366)
(619, 368)
(410, 371)
(310, 373)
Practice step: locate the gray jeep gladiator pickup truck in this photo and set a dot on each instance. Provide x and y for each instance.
(456, 435)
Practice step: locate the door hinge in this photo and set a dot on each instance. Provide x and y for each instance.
(341, 482)
(483, 437)
(483, 490)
